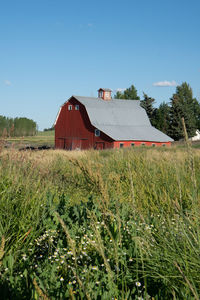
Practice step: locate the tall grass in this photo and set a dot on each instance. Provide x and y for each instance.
(121, 224)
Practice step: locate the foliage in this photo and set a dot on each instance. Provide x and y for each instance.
(49, 129)
(17, 127)
(147, 103)
(129, 93)
(100, 225)
(167, 118)
(162, 118)
(183, 105)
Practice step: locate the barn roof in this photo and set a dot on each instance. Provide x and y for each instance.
(121, 119)
(114, 112)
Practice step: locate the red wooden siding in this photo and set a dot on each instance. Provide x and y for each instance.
(140, 143)
(73, 130)
(104, 94)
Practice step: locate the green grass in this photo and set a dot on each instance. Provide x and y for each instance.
(46, 133)
(42, 138)
(121, 224)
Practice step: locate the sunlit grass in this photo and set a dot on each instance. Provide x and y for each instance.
(100, 224)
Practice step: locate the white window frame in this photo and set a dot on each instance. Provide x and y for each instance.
(97, 132)
(70, 107)
(76, 107)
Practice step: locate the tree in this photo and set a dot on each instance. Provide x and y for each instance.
(130, 93)
(17, 126)
(196, 107)
(147, 104)
(183, 105)
(49, 129)
(162, 118)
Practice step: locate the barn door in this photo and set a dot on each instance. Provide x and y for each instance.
(61, 143)
(68, 144)
(76, 144)
(99, 145)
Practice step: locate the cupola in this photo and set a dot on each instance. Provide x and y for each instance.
(104, 94)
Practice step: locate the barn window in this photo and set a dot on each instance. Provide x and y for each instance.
(153, 145)
(121, 145)
(76, 107)
(97, 132)
(132, 144)
(69, 107)
(163, 145)
(143, 144)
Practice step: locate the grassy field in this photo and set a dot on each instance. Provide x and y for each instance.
(117, 224)
(43, 138)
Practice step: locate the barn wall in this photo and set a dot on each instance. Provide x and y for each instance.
(73, 130)
(139, 143)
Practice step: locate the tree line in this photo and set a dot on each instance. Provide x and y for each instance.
(11, 127)
(168, 116)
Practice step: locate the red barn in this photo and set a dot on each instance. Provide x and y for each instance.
(103, 122)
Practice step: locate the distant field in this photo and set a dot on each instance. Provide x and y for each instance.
(42, 138)
(46, 133)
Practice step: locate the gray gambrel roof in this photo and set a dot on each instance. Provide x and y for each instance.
(122, 120)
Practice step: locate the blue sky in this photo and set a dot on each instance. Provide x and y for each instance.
(52, 49)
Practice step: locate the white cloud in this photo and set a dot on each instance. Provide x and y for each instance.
(121, 90)
(7, 82)
(165, 83)
(89, 24)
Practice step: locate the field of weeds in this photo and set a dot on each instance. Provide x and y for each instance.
(117, 224)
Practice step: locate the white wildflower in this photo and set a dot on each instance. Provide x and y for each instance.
(138, 284)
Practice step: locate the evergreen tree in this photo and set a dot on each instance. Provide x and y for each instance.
(183, 105)
(130, 93)
(147, 104)
(196, 108)
(162, 118)
(119, 95)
